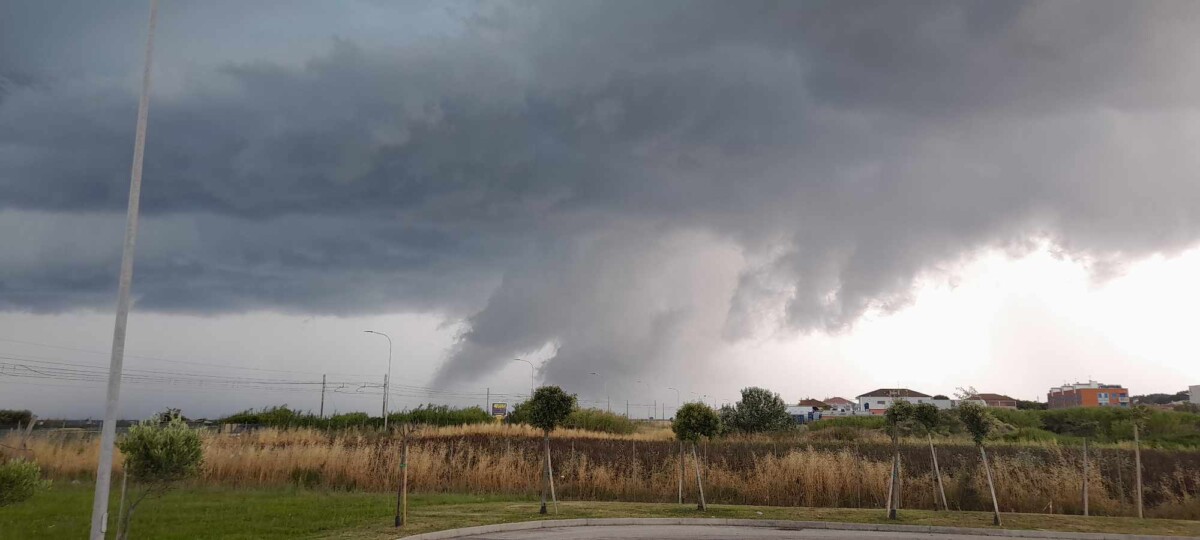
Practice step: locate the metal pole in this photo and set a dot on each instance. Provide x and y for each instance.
(108, 432)
(322, 396)
(532, 377)
(487, 406)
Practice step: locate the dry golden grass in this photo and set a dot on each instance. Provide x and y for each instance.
(502, 459)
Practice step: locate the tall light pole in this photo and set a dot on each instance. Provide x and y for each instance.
(607, 398)
(676, 397)
(531, 375)
(387, 379)
(108, 432)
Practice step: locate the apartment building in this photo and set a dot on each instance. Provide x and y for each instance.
(1089, 394)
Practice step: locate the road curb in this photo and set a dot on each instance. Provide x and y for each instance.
(780, 524)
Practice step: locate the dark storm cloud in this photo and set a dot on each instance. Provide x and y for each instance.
(618, 181)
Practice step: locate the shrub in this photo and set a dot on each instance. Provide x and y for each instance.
(441, 415)
(11, 417)
(157, 455)
(761, 410)
(19, 480)
(599, 420)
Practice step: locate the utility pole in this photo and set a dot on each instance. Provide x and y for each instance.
(322, 396)
(108, 432)
(487, 406)
(627, 408)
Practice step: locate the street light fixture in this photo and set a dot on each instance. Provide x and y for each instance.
(531, 376)
(386, 379)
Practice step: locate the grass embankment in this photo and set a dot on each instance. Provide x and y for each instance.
(63, 511)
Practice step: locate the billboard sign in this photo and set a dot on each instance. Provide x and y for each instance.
(499, 409)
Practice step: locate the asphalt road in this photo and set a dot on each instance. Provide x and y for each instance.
(708, 532)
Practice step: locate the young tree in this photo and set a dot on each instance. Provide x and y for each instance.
(548, 408)
(897, 418)
(693, 421)
(157, 456)
(928, 416)
(19, 480)
(761, 410)
(978, 422)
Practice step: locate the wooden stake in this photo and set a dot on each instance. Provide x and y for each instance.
(1085, 478)
(937, 473)
(545, 474)
(550, 474)
(991, 487)
(1137, 468)
(680, 472)
(891, 489)
(402, 499)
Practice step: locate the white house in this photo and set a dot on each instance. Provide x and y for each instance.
(1194, 392)
(878, 401)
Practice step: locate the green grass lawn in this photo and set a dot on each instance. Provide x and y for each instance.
(63, 512)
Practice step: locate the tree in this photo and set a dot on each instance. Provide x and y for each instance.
(547, 409)
(157, 456)
(12, 417)
(761, 410)
(978, 422)
(929, 417)
(19, 480)
(693, 421)
(897, 417)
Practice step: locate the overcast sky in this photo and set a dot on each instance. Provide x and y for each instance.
(822, 198)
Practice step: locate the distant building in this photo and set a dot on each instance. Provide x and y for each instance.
(802, 414)
(1194, 394)
(812, 404)
(1089, 394)
(840, 405)
(999, 401)
(877, 401)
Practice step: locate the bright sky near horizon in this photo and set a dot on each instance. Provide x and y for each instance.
(822, 198)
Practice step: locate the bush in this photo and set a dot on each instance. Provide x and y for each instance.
(760, 410)
(160, 453)
(441, 415)
(599, 420)
(11, 417)
(19, 480)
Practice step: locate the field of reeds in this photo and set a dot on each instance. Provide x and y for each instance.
(815, 469)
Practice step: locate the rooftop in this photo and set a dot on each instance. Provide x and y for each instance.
(889, 392)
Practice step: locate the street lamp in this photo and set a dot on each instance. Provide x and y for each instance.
(531, 376)
(608, 398)
(386, 379)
